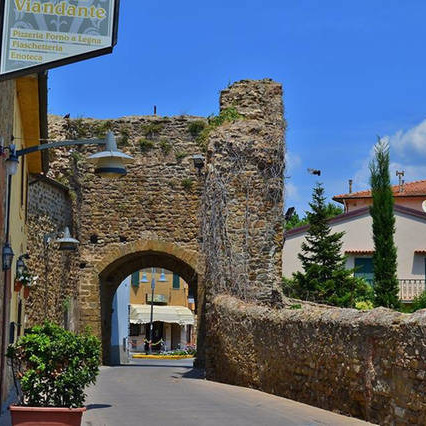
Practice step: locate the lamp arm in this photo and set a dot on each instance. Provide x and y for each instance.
(59, 144)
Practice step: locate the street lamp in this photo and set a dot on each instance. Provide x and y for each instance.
(108, 163)
(151, 323)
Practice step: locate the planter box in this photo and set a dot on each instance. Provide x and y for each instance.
(42, 416)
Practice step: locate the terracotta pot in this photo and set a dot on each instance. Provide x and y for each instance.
(18, 285)
(42, 416)
(26, 292)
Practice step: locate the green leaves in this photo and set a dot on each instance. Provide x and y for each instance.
(385, 256)
(54, 365)
(325, 278)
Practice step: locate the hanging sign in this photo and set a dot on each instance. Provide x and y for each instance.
(37, 35)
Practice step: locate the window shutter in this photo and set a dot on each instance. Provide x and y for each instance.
(176, 281)
(135, 279)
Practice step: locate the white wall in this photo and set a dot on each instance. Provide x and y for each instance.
(120, 323)
(409, 236)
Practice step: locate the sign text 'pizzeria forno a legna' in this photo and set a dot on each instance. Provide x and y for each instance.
(42, 34)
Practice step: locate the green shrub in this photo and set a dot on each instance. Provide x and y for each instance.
(180, 156)
(101, 128)
(54, 366)
(165, 146)
(296, 306)
(145, 144)
(187, 184)
(419, 302)
(364, 305)
(125, 134)
(226, 115)
(151, 130)
(196, 127)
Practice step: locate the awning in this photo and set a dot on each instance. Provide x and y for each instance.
(141, 314)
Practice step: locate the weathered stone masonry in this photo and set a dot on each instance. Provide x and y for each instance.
(152, 217)
(221, 230)
(370, 365)
(56, 293)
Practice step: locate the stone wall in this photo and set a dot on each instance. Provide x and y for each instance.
(161, 214)
(55, 295)
(242, 200)
(370, 365)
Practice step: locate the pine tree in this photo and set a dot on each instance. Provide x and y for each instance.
(325, 278)
(385, 257)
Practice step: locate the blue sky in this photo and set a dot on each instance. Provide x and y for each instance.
(351, 70)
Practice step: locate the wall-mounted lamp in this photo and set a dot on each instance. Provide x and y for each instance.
(20, 264)
(7, 256)
(66, 242)
(198, 160)
(110, 163)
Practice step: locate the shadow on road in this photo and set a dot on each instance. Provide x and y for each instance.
(190, 373)
(96, 406)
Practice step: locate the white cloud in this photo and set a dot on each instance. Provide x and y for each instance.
(407, 152)
(291, 191)
(410, 143)
(292, 162)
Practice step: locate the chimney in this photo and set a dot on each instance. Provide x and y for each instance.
(350, 186)
(401, 182)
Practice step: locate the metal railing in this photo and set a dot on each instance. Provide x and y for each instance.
(411, 288)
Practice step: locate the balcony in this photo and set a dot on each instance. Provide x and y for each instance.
(410, 288)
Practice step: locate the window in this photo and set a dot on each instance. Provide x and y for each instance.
(176, 281)
(364, 268)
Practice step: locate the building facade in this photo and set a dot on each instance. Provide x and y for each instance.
(357, 241)
(173, 310)
(23, 122)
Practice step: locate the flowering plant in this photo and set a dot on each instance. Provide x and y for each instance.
(27, 279)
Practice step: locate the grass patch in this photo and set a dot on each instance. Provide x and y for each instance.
(145, 144)
(180, 156)
(187, 184)
(228, 115)
(165, 146)
(196, 127)
(151, 130)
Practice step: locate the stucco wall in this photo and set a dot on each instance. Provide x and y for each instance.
(409, 236)
(370, 365)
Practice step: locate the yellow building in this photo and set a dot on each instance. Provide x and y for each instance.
(23, 111)
(173, 310)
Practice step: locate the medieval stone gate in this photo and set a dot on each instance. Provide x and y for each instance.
(220, 227)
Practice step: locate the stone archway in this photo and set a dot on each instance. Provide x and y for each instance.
(118, 264)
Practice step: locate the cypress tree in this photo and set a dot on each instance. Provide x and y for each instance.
(325, 278)
(385, 258)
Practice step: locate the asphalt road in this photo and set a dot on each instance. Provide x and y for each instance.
(171, 393)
